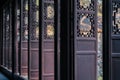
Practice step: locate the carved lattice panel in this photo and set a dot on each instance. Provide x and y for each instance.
(35, 20)
(85, 18)
(49, 20)
(25, 21)
(116, 17)
(49, 11)
(85, 4)
(85, 25)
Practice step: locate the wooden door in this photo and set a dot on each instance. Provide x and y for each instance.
(85, 39)
(48, 40)
(24, 38)
(33, 40)
(115, 39)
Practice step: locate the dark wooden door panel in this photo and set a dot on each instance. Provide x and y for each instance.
(85, 67)
(89, 45)
(115, 39)
(115, 68)
(115, 48)
(85, 61)
(48, 61)
(85, 30)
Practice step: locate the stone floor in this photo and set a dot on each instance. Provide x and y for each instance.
(2, 77)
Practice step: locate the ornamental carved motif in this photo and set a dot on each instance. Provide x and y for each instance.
(50, 12)
(86, 5)
(85, 27)
(50, 30)
(116, 18)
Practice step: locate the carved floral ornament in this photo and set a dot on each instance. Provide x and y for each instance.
(85, 25)
(85, 3)
(50, 12)
(50, 30)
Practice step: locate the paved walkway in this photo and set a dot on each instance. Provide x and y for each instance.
(2, 77)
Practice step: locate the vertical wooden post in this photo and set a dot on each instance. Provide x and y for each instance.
(14, 19)
(65, 39)
(106, 40)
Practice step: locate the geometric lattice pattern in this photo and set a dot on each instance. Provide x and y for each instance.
(116, 18)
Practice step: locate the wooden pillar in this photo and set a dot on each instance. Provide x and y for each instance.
(106, 40)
